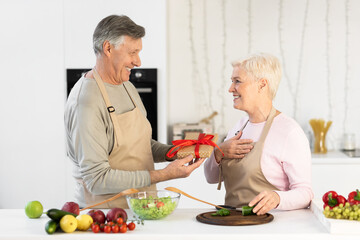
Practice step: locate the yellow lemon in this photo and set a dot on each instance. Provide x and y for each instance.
(84, 222)
(68, 223)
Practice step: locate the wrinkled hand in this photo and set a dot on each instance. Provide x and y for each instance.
(180, 168)
(265, 201)
(233, 148)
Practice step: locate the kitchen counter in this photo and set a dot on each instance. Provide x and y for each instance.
(181, 224)
(334, 157)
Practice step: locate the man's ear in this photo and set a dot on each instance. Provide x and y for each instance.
(106, 48)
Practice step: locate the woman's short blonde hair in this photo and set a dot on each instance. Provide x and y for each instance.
(263, 65)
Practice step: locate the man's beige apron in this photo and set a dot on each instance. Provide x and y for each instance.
(132, 147)
(243, 178)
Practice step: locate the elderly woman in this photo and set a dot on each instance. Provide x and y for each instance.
(267, 160)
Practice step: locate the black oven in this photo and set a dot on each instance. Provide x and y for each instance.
(145, 81)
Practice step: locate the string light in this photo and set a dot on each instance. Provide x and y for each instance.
(328, 57)
(249, 28)
(222, 90)
(295, 92)
(195, 68)
(206, 59)
(347, 67)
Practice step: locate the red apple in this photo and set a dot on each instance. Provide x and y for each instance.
(97, 215)
(115, 213)
(71, 207)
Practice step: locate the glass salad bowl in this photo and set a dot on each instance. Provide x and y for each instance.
(151, 205)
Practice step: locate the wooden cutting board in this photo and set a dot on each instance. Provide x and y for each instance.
(234, 219)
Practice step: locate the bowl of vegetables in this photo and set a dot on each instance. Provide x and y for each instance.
(152, 205)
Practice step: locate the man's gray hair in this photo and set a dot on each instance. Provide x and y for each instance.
(113, 29)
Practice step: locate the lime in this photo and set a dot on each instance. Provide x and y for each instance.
(34, 209)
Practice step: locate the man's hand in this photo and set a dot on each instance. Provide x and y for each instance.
(180, 168)
(233, 148)
(265, 201)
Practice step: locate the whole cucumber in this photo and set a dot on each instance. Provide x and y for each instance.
(51, 226)
(56, 214)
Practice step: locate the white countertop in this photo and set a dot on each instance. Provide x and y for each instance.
(334, 157)
(181, 224)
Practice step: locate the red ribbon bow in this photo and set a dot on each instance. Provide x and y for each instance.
(203, 139)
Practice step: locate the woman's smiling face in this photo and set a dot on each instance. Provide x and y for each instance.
(244, 89)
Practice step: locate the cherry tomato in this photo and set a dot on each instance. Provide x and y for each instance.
(95, 228)
(160, 204)
(102, 225)
(131, 226)
(107, 229)
(110, 223)
(115, 228)
(119, 221)
(123, 228)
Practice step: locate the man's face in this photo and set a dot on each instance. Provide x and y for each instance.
(124, 57)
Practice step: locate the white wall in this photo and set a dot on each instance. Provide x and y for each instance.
(192, 50)
(39, 40)
(204, 37)
(319, 56)
(32, 148)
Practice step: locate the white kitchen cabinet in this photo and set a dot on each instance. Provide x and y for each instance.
(335, 171)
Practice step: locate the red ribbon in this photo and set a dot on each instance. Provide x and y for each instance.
(203, 139)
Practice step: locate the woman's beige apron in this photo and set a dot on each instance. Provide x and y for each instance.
(132, 147)
(243, 178)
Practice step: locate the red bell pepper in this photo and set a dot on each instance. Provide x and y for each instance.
(332, 199)
(354, 197)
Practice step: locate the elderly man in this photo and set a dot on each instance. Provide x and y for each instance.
(108, 136)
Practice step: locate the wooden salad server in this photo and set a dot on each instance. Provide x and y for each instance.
(123, 193)
(189, 196)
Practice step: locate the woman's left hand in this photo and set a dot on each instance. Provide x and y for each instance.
(265, 201)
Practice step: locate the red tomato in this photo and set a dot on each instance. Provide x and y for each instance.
(119, 221)
(123, 228)
(110, 223)
(102, 225)
(107, 229)
(95, 228)
(159, 204)
(115, 228)
(131, 226)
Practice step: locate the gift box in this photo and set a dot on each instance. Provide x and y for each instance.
(200, 145)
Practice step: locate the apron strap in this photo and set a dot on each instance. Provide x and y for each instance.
(267, 126)
(130, 96)
(109, 107)
(220, 177)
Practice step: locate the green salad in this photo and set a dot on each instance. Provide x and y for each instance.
(150, 208)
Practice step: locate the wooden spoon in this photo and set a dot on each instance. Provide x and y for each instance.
(125, 192)
(189, 196)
